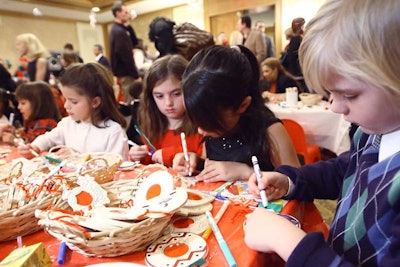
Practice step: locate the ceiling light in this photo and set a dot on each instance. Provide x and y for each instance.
(36, 12)
(95, 9)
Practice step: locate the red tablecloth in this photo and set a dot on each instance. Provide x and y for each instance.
(230, 226)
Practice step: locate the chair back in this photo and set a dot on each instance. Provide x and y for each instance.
(296, 133)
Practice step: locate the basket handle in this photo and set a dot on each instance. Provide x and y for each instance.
(87, 163)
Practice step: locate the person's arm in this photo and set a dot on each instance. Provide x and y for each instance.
(283, 152)
(138, 56)
(271, 47)
(41, 69)
(41, 126)
(116, 142)
(52, 138)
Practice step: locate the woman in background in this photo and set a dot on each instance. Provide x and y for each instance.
(30, 46)
(276, 80)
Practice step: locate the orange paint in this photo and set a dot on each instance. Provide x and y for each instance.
(193, 196)
(154, 191)
(183, 223)
(84, 198)
(176, 250)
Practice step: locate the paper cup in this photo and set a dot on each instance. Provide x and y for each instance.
(292, 97)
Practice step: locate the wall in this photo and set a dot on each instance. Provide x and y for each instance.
(53, 33)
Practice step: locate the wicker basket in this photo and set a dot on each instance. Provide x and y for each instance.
(22, 221)
(111, 243)
(107, 170)
(102, 165)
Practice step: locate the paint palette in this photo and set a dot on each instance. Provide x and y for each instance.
(182, 249)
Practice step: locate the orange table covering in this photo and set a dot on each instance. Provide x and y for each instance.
(230, 226)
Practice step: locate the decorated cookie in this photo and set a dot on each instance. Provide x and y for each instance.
(192, 224)
(197, 198)
(157, 185)
(87, 195)
(181, 249)
(195, 210)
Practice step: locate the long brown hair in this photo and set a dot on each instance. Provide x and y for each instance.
(273, 63)
(152, 122)
(93, 80)
(41, 98)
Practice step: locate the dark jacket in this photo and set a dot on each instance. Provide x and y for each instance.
(122, 62)
(282, 83)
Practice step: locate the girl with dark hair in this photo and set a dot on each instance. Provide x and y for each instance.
(94, 123)
(220, 87)
(38, 109)
(162, 115)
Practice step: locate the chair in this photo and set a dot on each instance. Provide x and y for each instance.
(310, 152)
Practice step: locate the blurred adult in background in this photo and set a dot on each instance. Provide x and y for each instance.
(252, 39)
(275, 80)
(270, 47)
(142, 62)
(236, 38)
(222, 39)
(160, 32)
(69, 48)
(6, 81)
(121, 46)
(100, 58)
(291, 60)
(21, 73)
(30, 46)
(68, 58)
(288, 36)
(7, 98)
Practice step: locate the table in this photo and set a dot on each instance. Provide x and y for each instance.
(321, 126)
(230, 226)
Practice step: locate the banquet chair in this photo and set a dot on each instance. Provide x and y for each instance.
(310, 152)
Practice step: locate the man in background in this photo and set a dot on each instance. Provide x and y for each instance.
(121, 47)
(100, 58)
(270, 47)
(252, 39)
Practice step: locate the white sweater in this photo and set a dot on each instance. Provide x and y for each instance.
(85, 137)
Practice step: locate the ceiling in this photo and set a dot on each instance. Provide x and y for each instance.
(80, 9)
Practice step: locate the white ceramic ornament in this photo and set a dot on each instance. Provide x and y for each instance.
(182, 249)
